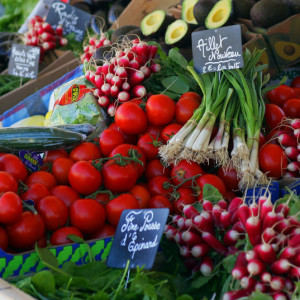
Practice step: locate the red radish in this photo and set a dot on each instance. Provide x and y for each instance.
(146, 71)
(247, 282)
(63, 42)
(170, 232)
(253, 229)
(225, 219)
(231, 237)
(99, 81)
(223, 204)
(241, 259)
(297, 134)
(254, 210)
(139, 91)
(188, 223)
(280, 266)
(239, 272)
(266, 253)
(234, 295)
(216, 213)
(152, 49)
(109, 77)
(48, 28)
(298, 157)
(123, 96)
(120, 71)
(214, 243)
(92, 49)
(295, 123)
(175, 219)
(265, 208)
(155, 68)
(280, 296)
(283, 208)
(291, 153)
(142, 51)
(86, 48)
(123, 61)
(97, 93)
(288, 284)
(255, 267)
(92, 41)
(296, 259)
(34, 41)
(288, 253)
(269, 220)
(206, 266)
(233, 206)
(111, 110)
(125, 86)
(48, 45)
(207, 205)
(190, 211)
(200, 250)
(283, 226)
(201, 223)
(47, 37)
(265, 277)
(99, 70)
(243, 213)
(293, 166)
(259, 286)
(136, 78)
(181, 223)
(238, 226)
(295, 273)
(185, 251)
(133, 66)
(114, 91)
(251, 254)
(92, 77)
(106, 68)
(116, 80)
(105, 88)
(287, 140)
(104, 101)
(277, 283)
(290, 174)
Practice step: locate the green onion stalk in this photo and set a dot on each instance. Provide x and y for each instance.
(191, 142)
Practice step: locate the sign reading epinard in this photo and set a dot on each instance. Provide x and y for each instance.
(72, 19)
(217, 49)
(137, 237)
(24, 61)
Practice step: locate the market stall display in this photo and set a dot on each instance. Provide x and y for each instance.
(136, 126)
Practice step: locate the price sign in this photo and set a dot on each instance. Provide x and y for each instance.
(217, 49)
(24, 61)
(72, 19)
(137, 237)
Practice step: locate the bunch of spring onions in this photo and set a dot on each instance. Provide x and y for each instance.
(233, 99)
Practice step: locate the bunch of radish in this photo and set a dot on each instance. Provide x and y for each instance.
(120, 78)
(42, 34)
(94, 42)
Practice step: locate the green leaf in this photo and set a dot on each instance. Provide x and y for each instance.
(201, 281)
(184, 297)
(226, 285)
(175, 55)
(47, 257)
(211, 193)
(229, 262)
(44, 282)
(175, 84)
(259, 296)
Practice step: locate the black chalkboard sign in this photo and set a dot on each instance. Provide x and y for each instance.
(24, 61)
(217, 49)
(137, 237)
(72, 19)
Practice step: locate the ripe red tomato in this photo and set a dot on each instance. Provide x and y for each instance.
(84, 178)
(229, 177)
(185, 108)
(7, 183)
(85, 151)
(213, 180)
(103, 198)
(297, 92)
(155, 168)
(65, 193)
(292, 108)
(60, 236)
(193, 95)
(296, 82)
(153, 130)
(159, 201)
(106, 231)
(131, 118)
(60, 169)
(118, 178)
(229, 195)
(41, 226)
(273, 115)
(150, 144)
(36, 191)
(142, 195)
(128, 138)
(53, 211)
(115, 207)
(3, 239)
(280, 95)
(10, 207)
(13, 165)
(184, 170)
(52, 155)
(169, 131)
(272, 160)
(160, 110)
(184, 196)
(87, 215)
(125, 150)
(43, 177)
(23, 234)
(160, 185)
(109, 140)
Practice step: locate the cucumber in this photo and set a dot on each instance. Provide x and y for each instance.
(85, 128)
(37, 138)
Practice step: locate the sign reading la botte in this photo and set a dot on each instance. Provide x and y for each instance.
(217, 49)
(137, 237)
(72, 19)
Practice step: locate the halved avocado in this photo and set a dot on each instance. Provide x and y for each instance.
(202, 9)
(187, 13)
(156, 22)
(242, 8)
(178, 34)
(220, 14)
(287, 50)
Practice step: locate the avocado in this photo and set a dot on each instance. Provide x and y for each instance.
(121, 31)
(178, 34)
(242, 8)
(219, 15)
(287, 50)
(267, 13)
(202, 9)
(135, 33)
(187, 11)
(155, 23)
(294, 6)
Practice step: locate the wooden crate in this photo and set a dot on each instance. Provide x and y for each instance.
(10, 292)
(137, 9)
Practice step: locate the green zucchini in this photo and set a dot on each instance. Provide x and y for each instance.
(37, 138)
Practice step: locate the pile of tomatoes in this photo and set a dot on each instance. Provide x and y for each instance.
(84, 191)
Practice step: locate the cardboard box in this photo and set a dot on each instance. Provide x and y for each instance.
(28, 262)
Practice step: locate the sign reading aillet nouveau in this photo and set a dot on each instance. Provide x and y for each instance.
(137, 237)
(217, 49)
